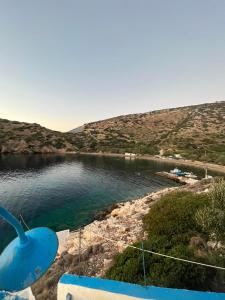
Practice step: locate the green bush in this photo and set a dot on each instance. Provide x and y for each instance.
(165, 272)
(174, 215)
(176, 274)
(59, 144)
(170, 224)
(220, 159)
(211, 217)
(146, 149)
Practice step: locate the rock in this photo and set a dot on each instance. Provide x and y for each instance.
(198, 243)
(68, 258)
(139, 216)
(107, 263)
(122, 226)
(105, 213)
(97, 249)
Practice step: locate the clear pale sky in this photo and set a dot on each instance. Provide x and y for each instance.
(65, 63)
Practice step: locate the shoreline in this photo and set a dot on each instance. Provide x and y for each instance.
(181, 162)
(110, 234)
(90, 250)
(118, 225)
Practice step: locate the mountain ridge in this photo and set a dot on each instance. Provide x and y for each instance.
(195, 132)
(23, 137)
(190, 131)
(151, 112)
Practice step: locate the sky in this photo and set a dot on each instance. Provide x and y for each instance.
(69, 62)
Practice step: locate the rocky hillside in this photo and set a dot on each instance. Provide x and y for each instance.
(18, 137)
(196, 132)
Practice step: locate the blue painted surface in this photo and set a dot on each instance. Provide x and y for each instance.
(7, 296)
(149, 292)
(9, 218)
(21, 264)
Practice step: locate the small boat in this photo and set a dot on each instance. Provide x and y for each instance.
(178, 172)
(191, 175)
(181, 173)
(175, 171)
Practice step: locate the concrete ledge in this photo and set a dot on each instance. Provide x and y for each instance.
(81, 287)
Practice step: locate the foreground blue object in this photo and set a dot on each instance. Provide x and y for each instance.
(117, 289)
(7, 296)
(27, 257)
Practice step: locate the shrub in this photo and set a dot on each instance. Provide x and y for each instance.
(176, 274)
(211, 218)
(174, 215)
(146, 149)
(162, 271)
(170, 224)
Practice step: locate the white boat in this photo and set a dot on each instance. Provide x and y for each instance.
(130, 154)
(175, 171)
(190, 175)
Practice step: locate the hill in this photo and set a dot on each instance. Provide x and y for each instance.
(20, 137)
(195, 132)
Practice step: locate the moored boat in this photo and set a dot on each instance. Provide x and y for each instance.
(178, 172)
(175, 171)
(191, 175)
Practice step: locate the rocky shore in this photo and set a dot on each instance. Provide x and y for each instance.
(120, 227)
(90, 250)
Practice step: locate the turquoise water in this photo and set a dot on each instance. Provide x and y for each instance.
(66, 191)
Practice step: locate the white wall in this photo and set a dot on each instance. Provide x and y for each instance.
(83, 293)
